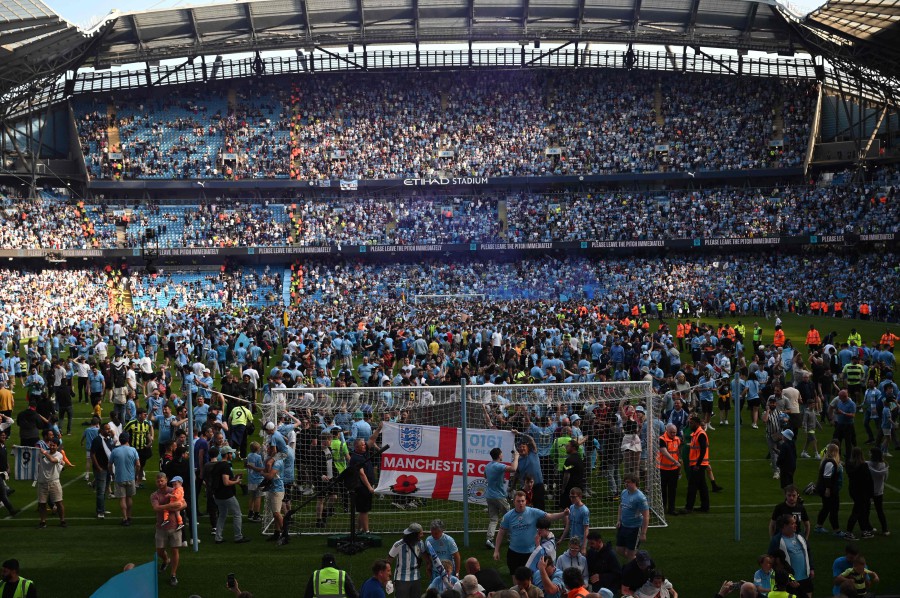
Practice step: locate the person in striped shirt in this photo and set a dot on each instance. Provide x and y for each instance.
(407, 554)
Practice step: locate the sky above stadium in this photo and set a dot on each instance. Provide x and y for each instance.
(86, 14)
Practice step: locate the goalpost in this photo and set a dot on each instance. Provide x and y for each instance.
(418, 415)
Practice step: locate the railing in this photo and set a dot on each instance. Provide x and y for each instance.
(319, 62)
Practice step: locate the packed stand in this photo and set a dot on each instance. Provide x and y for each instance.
(487, 124)
(210, 225)
(239, 289)
(53, 222)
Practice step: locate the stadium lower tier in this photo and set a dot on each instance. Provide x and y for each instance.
(829, 280)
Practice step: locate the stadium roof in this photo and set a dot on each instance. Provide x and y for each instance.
(36, 45)
(287, 24)
(865, 30)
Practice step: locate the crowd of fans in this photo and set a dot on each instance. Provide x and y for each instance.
(484, 124)
(572, 215)
(757, 284)
(210, 225)
(234, 289)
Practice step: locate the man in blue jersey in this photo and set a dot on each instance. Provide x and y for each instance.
(521, 526)
(495, 474)
(126, 463)
(274, 472)
(444, 547)
(374, 587)
(634, 517)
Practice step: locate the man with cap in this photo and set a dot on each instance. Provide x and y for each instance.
(787, 458)
(636, 572)
(11, 584)
(125, 463)
(329, 581)
(407, 554)
(224, 481)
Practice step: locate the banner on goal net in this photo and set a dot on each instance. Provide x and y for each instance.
(432, 418)
(427, 461)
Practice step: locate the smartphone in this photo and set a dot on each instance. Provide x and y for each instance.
(230, 583)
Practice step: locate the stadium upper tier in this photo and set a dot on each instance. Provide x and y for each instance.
(586, 215)
(407, 125)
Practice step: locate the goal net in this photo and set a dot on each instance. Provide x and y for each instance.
(435, 433)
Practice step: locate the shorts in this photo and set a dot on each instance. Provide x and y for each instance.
(254, 491)
(627, 537)
(362, 499)
(274, 501)
(96, 397)
(753, 402)
(497, 508)
(146, 377)
(322, 488)
(809, 421)
(49, 492)
(725, 403)
(706, 406)
(125, 489)
(166, 538)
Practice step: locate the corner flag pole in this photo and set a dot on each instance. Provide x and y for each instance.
(192, 465)
(738, 354)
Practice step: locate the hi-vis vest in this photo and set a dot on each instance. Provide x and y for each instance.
(240, 416)
(672, 445)
(695, 447)
(21, 589)
(329, 583)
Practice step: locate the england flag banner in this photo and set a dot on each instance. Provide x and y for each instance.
(427, 461)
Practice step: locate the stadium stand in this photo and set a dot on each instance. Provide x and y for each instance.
(521, 123)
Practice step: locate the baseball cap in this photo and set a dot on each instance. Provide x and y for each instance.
(788, 434)
(639, 409)
(176, 479)
(270, 426)
(643, 558)
(414, 528)
(226, 450)
(576, 418)
(606, 593)
(358, 414)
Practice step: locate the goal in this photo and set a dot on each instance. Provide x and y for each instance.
(432, 431)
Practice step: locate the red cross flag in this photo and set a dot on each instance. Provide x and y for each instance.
(427, 461)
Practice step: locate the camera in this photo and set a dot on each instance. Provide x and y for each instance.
(230, 582)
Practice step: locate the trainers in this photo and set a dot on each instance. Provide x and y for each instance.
(42, 525)
(849, 536)
(755, 427)
(885, 533)
(489, 544)
(805, 455)
(721, 422)
(63, 523)
(101, 515)
(179, 527)
(820, 529)
(868, 535)
(399, 505)
(242, 540)
(213, 531)
(282, 541)
(173, 581)
(726, 422)
(776, 475)
(710, 427)
(162, 565)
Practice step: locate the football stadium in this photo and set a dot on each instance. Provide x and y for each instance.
(449, 298)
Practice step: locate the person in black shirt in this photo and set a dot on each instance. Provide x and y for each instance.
(573, 472)
(792, 505)
(30, 423)
(604, 570)
(636, 572)
(100, 449)
(223, 481)
(64, 395)
(4, 473)
(489, 578)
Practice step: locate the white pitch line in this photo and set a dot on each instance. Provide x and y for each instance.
(35, 502)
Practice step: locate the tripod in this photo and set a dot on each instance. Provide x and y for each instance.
(351, 544)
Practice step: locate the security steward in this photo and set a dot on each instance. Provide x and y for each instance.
(330, 582)
(698, 462)
(668, 463)
(13, 586)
